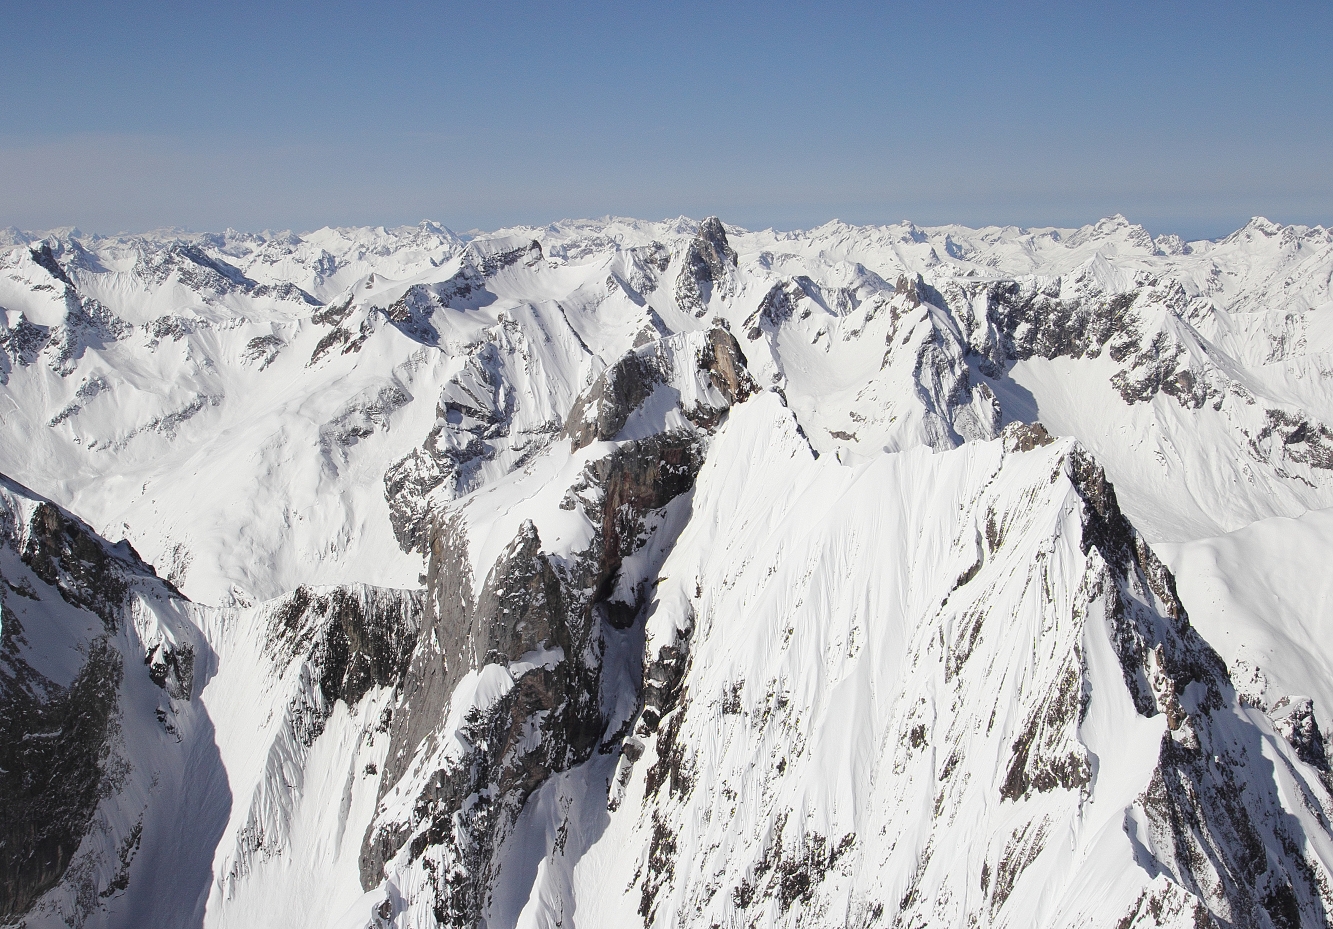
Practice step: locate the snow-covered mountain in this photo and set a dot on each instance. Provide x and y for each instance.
(616, 572)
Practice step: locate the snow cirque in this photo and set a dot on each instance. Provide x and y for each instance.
(666, 573)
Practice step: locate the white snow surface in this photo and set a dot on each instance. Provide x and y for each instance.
(880, 593)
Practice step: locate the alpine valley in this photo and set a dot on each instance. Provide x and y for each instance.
(619, 573)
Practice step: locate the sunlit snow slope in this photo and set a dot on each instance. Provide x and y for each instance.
(616, 572)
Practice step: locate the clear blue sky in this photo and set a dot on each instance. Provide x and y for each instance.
(1186, 117)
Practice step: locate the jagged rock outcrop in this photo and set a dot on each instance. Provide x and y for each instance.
(59, 739)
(775, 308)
(870, 646)
(680, 364)
(413, 312)
(706, 269)
(328, 650)
(363, 416)
(87, 324)
(495, 414)
(1012, 321)
(45, 257)
(537, 626)
(354, 638)
(601, 412)
(57, 762)
(726, 368)
(1294, 718)
(104, 702)
(1228, 840)
(784, 298)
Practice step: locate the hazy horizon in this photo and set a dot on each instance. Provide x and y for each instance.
(475, 231)
(1186, 118)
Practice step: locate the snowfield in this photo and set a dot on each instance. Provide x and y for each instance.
(666, 573)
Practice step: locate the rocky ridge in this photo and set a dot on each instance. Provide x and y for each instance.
(651, 552)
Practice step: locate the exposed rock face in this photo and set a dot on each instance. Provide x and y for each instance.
(57, 763)
(774, 309)
(329, 646)
(1293, 437)
(663, 678)
(707, 268)
(1012, 321)
(67, 556)
(407, 484)
(493, 416)
(44, 257)
(1294, 717)
(525, 608)
(209, 274)
(58, 756)
(355, 638)
(524, 599)
(262, 350)
(800, 296)
(1226, 839)
(726, 367)
(1038, 323)
(539, 623)
(547, 721)
(1024, 437)
(85, 749)
(443, 654)
(171, 667)
(194, 268)
(87, 324)
(412, 314)
(474, 412)
(1234, 853)
(362, 417)
(617, 492)
(839, 659)
(601, 412)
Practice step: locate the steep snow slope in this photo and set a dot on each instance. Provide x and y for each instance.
(749, 596)
(1261, 595)
(921, 690)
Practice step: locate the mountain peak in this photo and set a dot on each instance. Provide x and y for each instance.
(666, 573)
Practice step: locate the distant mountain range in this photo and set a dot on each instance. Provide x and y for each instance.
(616, 572)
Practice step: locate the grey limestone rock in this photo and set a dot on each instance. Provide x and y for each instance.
(57, 742)
(552, 611)
(45, 729)
(523, 597)
(1293, 716)
(726, 367)
(355, 637)
(1225, 837)
(707, 268)
(600, 412)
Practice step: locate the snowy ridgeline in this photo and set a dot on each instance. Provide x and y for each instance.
(617, 573)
